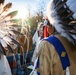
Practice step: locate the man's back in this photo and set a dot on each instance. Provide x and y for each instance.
(50, 63)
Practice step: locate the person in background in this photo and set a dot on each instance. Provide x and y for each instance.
(50, 30)
(40, 37)
(57, 53)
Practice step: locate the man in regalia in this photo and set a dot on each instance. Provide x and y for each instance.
(57, 53)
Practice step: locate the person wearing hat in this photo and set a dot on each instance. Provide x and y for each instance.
(57, 53)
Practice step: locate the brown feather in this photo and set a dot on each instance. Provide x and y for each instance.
(16, 32)
(69, 15)
(69, 27)
(61, 5)
(2, 1)
(72, 31)
(14, 41)
(62, 11)
(9, 48)
(57, 3)
(7, 6)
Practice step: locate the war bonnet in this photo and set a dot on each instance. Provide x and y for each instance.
(62, 15)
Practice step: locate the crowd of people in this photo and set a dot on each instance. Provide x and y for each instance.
(55, 44)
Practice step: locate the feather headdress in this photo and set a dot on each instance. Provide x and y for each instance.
(6, 20)
(62, 15)
(2, 1)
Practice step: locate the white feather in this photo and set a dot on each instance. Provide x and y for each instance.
(4, 44)
(6, 38)
(11, 32)
(74, 36)
(3, 31)
(6, 23)
(69, 2)
(72, 5)
(74, 15)
(53, 17)
(1, 35)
